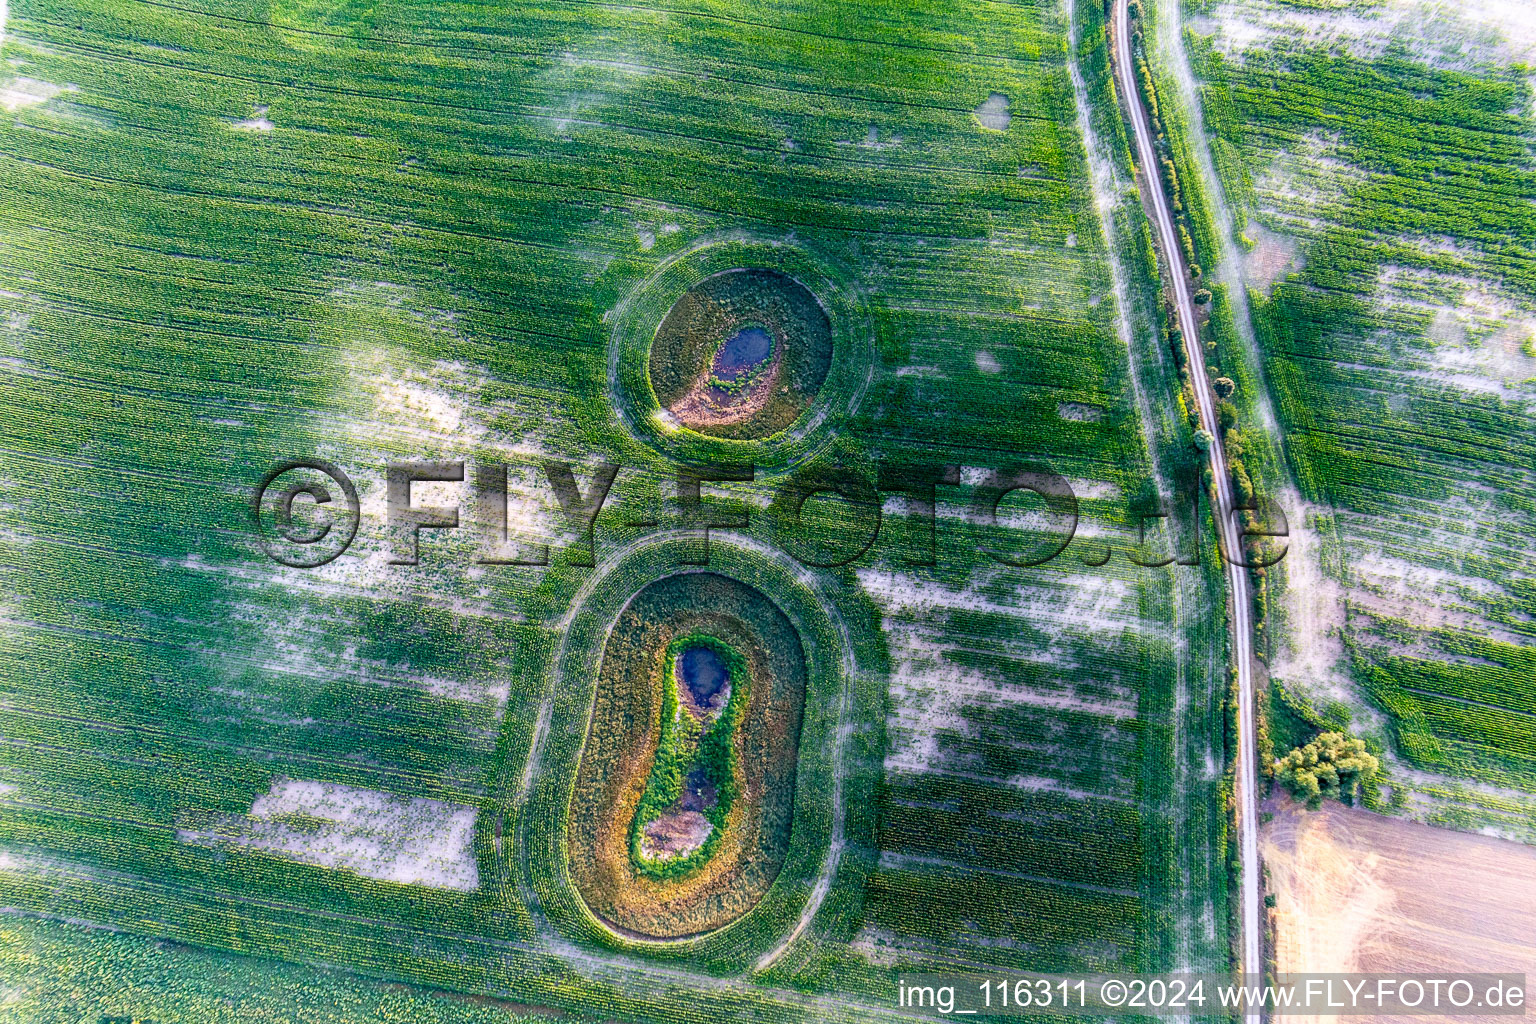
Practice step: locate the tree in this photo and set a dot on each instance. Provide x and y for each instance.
(1331, 765)
(1224, 387)
(1202, 296)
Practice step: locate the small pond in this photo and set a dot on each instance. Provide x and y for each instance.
(703, 671)
(741, 352)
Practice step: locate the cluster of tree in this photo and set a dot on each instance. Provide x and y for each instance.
(1331, 765)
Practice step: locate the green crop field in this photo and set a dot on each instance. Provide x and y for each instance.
(242, 233)
(1380, 174)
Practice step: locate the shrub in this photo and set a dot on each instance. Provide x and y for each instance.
(685, 745)
(1331, 765)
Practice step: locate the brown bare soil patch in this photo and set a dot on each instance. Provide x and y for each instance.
(708, 406)
(674, 834)
(1357, 891)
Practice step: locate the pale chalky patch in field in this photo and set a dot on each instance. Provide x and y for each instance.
(993, 112)
(1445, 33)
(1272, 257)
(29, 92)
(377, 835)
(404, 406)
(257, 122)
(931, 694)
(1313, 601)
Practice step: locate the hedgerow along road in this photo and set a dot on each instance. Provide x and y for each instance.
(1154, 199)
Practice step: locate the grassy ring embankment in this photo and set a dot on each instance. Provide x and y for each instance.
(787, 438)
(733, 945)
(742, 856)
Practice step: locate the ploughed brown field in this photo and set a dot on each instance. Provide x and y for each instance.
(1357, 891)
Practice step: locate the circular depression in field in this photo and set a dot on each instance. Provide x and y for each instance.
(742, 354)
(742, 349)
(681, 813)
